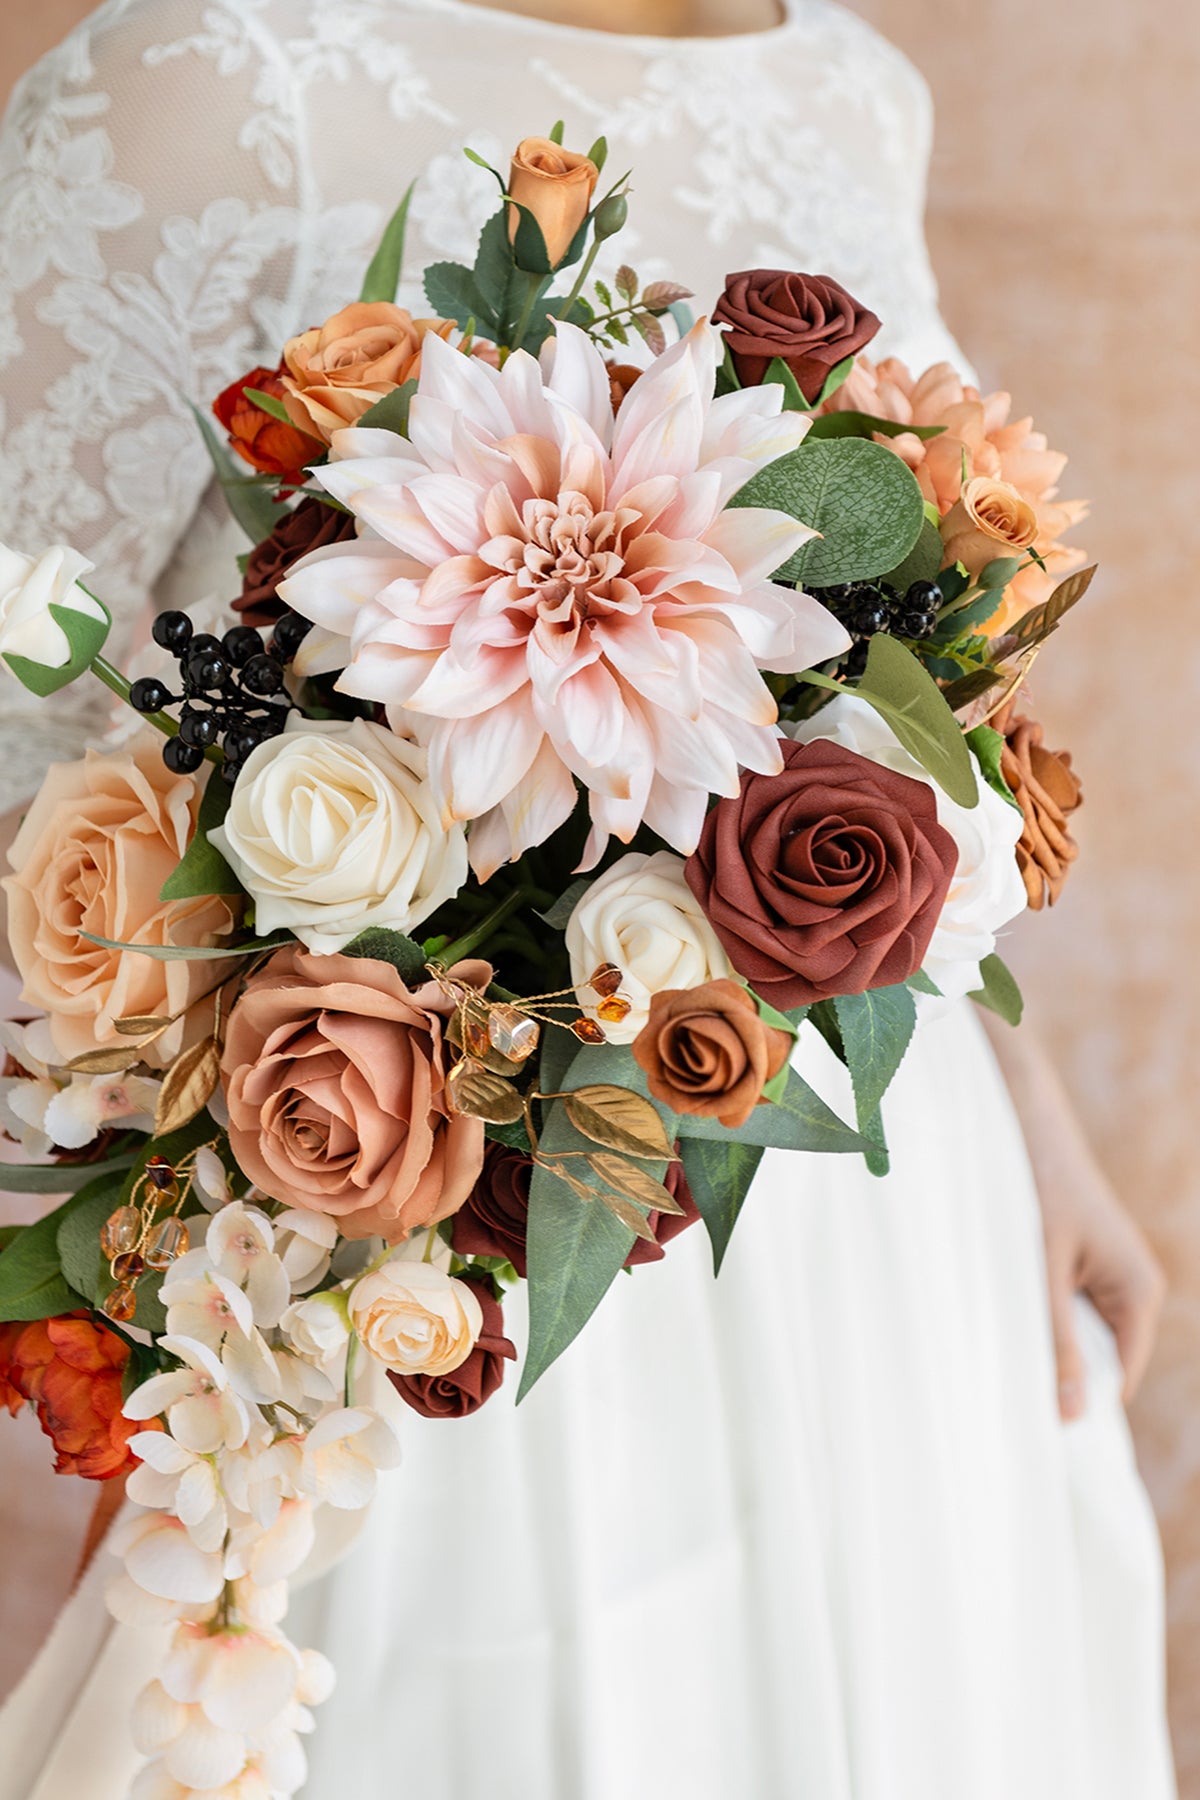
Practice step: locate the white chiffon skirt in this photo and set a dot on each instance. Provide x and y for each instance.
(809, 1532)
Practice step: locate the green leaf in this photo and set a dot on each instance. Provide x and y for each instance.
(451, 291)
(203, 870)
(559, 1051)
(481, 162)
(87, 1269)
(529, 251)
(997, 574)
(908, 697)
(380, 945)
(391, 413)
(988, 747)
(865, 425)
(248, 501)
(876, 1029)
(85, 637)
(833, 381)
(186, 953)
(799, 1121)
(556, 916)
(494, 275)
(793, 395)
(383, 272)
(598, 154)
(862, 498)
(32, 1285)
(268, 403)
(923, 562)
(56, 1178)
(555, 133)
(999, 993)
(719, 1176)
(921, 983)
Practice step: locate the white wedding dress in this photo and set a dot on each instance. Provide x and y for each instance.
(809, 1532)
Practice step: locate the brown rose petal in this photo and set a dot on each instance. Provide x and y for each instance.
(705, 1050)
(311, 526)
(810, 321)
(465, 1389)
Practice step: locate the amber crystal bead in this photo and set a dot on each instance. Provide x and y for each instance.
(588, 1032)
(120, 1305)
(514, 1034)
(120, 1231)
(161, 1177)
(169, 1240)
(606, 980)
(128, 1266)
(614, 1009)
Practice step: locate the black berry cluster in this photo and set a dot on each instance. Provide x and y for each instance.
(868, 607)
(233, 694)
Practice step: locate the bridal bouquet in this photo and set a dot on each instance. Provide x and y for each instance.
(594, 726)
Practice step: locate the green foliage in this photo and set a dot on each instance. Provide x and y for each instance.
(719, 1176)
(31, 1278)
(793, 395)
(863, 425)
(923, 562)
(556, 916)
(999, 993)
(988, 748)
(250, 504)
(193, 953)
(383, 272)
(380, 945)
(85, 1267)
(56, 1178)
(800, 1120)
(268, 403)
(996, 575)
(863, 500)
(833, 381)
(391, 413)
(203, 870)
(876, 1029)
(921, 983)
(85, 637)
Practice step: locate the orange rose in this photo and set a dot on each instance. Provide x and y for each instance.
(557, 186)
(267, 444)
(988, 520)
(71, 1370)
(95, 847)
(335, 373)
(706, 1051)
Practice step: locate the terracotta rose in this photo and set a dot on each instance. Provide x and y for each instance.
(1048, 791)
(825, 879)
(464, 1389)
(310, 526)
(72, 1371)
(705, 1050)
(335, 1076)
(556, 185)
(336, 372)
(266, 443)
(808, 320)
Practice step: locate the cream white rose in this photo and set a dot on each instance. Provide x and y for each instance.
(29, 587)
(332, 829)
(414, 1318)
(318, 1328)
(642, 915)
(987, 890)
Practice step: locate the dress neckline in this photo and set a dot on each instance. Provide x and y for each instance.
(634, 40)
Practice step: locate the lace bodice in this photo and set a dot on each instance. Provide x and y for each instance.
(184, 183)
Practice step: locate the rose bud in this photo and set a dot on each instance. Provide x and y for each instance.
(991, 519)
(809, 321)
(705, 1050)
(556, 186)
(266, 443)
(455, 1393)
(493, 1220)
(43, 651)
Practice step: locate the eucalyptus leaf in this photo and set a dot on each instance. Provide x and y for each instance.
(863, 500)
(923, 562)
(203, 870)
(56, 1178)
(188, 953)
(999, 993)
(558, 915)
(719, 1176)
(383, 272)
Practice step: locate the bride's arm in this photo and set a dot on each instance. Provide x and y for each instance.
(1092, 1245)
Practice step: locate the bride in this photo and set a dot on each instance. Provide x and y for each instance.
(815, 1531)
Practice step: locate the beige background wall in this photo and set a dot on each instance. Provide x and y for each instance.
(1065, 226)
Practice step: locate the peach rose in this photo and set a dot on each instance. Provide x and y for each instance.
(336, 372)
(989, 519)
(335, 1075)
(94, 849)
(557, 186)
(416, 1319)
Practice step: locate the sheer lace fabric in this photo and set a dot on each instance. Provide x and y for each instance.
(184, 184)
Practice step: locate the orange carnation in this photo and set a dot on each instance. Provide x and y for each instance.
(978, 439)
(267, 444)
(72, 1371)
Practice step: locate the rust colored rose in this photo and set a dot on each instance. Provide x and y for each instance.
(336, 372)
(267, 444)
(665, 1225)
(493, 1220)
(557, 186)
(71, 1370)
(310, 526)
(621, 377)
(464, 1389)
(1048, 791)
(810, 321)
(705, 1050)
(825, 879)
(335, 1077)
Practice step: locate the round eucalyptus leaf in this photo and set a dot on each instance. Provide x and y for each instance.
(863, 500)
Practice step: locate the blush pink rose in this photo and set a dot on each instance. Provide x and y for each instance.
(335, 1075)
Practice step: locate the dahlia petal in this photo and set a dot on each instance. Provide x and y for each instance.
(756, 540)
(676, 814)
(454, 508)
(575, 371)
(474, 762)
(661, 664)
(464, 383)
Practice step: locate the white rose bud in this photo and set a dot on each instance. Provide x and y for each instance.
(318, 1327)
(416, 1319)
(50, 627)
(333, 830)
(642, 915)
(987, 890)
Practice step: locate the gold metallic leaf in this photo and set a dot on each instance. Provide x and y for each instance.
(630, 1216)
(619, 1119)
(187, 1086)
(479, 1094)
(144, 1026)
(104, 1062)
(630, 1179)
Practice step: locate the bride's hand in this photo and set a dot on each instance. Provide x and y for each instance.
(1093, 1246)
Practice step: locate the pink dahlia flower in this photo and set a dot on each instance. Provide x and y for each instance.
(545, 594)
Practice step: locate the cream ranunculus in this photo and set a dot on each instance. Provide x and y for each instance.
(987, 889)
(414, 1318)
(333, 829)
(642, 916)
(29, 633)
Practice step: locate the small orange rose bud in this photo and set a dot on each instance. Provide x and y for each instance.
(990, 519)
(557, 186)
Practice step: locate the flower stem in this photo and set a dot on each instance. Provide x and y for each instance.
(120, 685)
(473, 939)
(522, 325)
(585, 270)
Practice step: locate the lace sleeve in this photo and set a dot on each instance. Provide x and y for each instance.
(150, 215)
